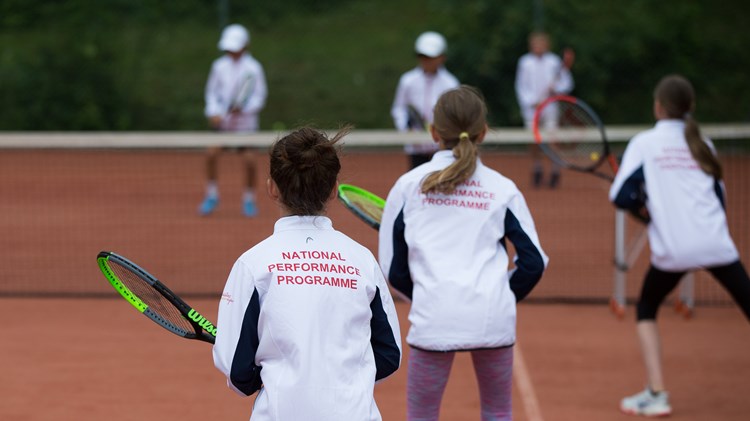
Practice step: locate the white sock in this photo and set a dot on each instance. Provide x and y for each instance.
(212, 190)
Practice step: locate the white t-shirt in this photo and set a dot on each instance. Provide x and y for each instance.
(311, 307)
(421, 91)
(688, 226)
(537, 77)
(447, 253)
(240, 84)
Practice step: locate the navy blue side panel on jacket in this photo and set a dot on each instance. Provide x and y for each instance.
(245, 375)
(632, 196)
(720, 193)
(399, 275)
(529, 264)
(384, 345)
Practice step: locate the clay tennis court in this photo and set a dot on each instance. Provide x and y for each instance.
(73, 350)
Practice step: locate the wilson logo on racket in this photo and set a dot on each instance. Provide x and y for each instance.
(202, 322)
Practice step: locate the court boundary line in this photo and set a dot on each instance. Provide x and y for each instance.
(526, 390)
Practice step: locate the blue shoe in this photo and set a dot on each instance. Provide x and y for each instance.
(208, 205)
(249, 208)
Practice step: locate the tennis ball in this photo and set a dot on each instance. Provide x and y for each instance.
(594, 156)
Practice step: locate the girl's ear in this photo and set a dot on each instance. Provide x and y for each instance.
(273, 190)
(434, 134)
(482, 134)
(334, 192)
(659, 112)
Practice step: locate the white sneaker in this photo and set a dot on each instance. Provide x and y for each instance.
(647, 404)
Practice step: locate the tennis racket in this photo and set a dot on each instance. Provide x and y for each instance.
(243, 93)
(415, 120)
(365, 205)
(154, 299)
(572, 135)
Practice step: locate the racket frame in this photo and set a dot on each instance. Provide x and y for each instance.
(242, 93)
(343, 189)
(203, 329)
(415, 121)
(606, 154)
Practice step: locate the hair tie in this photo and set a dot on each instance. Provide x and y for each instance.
(463, 136)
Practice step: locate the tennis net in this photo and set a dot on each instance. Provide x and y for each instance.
(66, 196)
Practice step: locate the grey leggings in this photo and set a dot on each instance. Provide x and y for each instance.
(428, 375)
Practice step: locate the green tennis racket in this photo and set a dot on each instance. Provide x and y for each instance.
(154, 299)
(365, 205)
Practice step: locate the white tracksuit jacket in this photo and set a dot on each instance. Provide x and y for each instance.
(308, 314)
(688, 227)
(447, 253)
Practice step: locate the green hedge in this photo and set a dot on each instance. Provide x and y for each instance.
(142, 65)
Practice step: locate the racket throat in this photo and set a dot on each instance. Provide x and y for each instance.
(202, 322)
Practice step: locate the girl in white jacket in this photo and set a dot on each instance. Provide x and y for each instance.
(306, 316)
(443, 245)
(671, 176)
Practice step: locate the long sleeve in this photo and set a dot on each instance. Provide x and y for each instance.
(386, 335)
(628, 189)
(212, 93)
(399, 108)
(393, 252)
(564, 80)
(237, 341)
(530, 259)
(525, 93)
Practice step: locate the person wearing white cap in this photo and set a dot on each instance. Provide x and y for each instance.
(235, 94)
(418, 91)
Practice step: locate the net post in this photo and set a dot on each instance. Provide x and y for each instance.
(617, 302)
(686, 298)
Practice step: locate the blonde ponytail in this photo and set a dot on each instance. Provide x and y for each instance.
(460, 118)
(460, 170)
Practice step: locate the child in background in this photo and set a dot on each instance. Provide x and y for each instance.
(442, 245)
(541, 74)
(681, 176)
(419, 89)
(235, 94)
(306, 315)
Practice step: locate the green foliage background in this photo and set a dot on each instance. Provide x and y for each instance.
(142, 64)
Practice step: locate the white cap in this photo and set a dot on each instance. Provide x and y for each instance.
(430, 44)
(234, 38)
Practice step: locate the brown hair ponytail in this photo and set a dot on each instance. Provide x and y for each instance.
(460, 118)
(677, 97)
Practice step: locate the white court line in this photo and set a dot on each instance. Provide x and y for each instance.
(525, 387)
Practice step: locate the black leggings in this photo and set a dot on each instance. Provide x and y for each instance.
(658, 284)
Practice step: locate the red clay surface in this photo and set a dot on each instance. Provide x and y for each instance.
(94, 359)
(98, 359)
